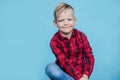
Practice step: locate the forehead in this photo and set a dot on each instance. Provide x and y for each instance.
(64, 12)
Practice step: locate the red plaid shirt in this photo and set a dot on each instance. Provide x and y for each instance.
(73, 55)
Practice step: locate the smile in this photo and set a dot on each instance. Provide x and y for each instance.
(67, 27)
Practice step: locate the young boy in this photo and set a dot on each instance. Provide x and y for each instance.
(74, 58)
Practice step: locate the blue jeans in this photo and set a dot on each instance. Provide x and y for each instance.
(54, 72)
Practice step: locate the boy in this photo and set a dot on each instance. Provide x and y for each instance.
(74, 58)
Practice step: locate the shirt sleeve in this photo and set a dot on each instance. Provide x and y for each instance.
(88, 56)
(64, 62)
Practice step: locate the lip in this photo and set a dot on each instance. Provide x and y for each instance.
(67, 27)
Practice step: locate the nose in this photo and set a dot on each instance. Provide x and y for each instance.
(65, 22)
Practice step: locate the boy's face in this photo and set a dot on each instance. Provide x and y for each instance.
(65, 21)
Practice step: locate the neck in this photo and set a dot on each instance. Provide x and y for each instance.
(68, 35)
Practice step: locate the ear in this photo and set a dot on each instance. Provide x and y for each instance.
(55, 23)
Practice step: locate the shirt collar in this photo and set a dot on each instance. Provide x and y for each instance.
(63, 38)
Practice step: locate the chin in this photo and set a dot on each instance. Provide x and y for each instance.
(67, 32)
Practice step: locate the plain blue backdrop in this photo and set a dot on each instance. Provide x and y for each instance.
(26, 27)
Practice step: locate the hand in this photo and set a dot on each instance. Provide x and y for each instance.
(85, 77)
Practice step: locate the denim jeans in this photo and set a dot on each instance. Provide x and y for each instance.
(54, 72)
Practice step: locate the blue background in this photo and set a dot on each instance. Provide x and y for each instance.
(26, 28)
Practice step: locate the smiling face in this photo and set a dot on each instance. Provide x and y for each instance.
(65, 22)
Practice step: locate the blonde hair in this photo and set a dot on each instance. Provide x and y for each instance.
(61, 7)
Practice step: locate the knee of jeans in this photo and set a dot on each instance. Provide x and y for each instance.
(49, 68)
(52, 70)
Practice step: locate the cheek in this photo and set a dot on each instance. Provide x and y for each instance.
(60, 24)
(72, 23)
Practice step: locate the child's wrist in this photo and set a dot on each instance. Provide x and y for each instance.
(85, 76)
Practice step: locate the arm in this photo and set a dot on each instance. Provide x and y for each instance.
(64, 62)
(88, 57)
